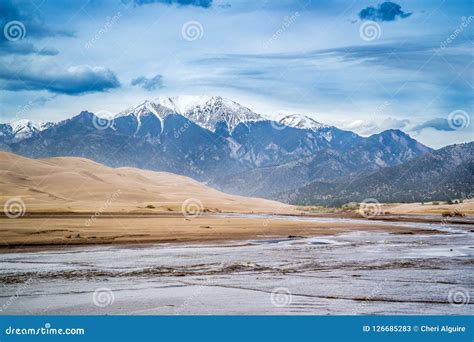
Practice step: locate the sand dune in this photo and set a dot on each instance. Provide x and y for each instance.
(465, 208)
(75, 201)
(78, 185)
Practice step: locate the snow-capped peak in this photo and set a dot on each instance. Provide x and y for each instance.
(301, 122)
(146, 107)
(22, 129)
(182, 104)
(207, 111)
(22, 125)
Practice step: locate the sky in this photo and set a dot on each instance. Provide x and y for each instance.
(365, 66)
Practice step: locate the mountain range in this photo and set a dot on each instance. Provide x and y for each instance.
(445, 174)
(218, 142)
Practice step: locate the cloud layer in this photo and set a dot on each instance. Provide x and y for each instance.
(30, 18)
(196, 3)
(72, 81)
(439, 124)
(297, 56)
(149, 84)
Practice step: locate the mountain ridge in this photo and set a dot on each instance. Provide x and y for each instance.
(259, 157)
(444, 174)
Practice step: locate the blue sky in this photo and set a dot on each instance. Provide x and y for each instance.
(361, 65)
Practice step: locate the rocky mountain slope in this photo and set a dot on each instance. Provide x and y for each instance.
(445, 174)
(218, 142)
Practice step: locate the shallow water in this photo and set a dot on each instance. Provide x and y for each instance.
(356, 273)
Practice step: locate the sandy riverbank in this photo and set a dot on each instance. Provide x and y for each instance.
(62, 230)
(75, 201)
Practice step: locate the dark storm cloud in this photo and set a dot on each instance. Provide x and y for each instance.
(26, 14)
(387, 11)
(196, 3)
(73, 81)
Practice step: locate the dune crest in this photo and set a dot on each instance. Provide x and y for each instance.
(81, 185)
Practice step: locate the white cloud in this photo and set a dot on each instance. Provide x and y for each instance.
(368, 127)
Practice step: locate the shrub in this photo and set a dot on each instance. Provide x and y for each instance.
(453, 214)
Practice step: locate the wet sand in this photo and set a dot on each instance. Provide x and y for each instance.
(66, 229)
(402, 270)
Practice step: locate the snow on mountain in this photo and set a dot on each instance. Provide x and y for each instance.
(208, 111)
(205, 111)
(23, 129)
(145, 108)
(232, 160)
(302, 122)
(182, 104)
